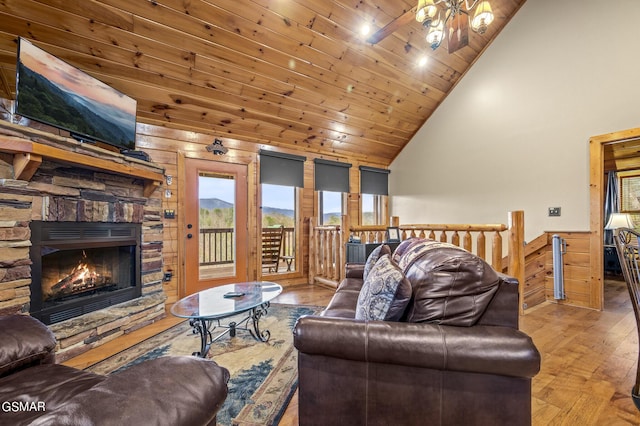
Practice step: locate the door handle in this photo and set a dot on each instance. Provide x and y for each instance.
(189, 235)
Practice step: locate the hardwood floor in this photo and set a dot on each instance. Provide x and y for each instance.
(589, 361)
(588, 357)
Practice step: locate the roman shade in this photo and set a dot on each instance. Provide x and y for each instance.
(277, 168)
(374, 181)
(331, 175)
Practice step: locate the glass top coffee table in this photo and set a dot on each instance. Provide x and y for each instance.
(207, 308)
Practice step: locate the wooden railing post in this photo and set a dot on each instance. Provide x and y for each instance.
(344, 233)
(496, 251)
(313, 255)
(516, 252)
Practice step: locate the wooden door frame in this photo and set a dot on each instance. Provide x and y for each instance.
(596, 203)
(182, 222)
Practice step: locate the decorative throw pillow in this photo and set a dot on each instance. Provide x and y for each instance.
(385, 293)
(373, 258)
(402, 248)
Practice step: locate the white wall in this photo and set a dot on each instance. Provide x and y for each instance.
(514, 134)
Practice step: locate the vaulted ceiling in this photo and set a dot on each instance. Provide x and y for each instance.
(294, 74)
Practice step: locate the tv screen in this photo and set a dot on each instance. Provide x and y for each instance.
(53, 92)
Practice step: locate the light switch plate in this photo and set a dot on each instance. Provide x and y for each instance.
(554, 211)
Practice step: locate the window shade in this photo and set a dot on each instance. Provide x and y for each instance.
(374, 181)
(331, 175)
(282, 169)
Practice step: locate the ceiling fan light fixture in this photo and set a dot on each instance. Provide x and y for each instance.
(482, 17)
(426, 10)
(436, 34)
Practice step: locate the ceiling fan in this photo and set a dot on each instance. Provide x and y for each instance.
(438, 15)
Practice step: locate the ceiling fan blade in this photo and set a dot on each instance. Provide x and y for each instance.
(392, 26)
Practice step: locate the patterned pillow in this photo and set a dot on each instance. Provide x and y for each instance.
(385, 293)
(373, 258)
(402, 248)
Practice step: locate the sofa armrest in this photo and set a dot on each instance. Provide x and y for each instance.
(503, 308)
(480, 349)
(24, 342)
(354, 270)
(176, 390)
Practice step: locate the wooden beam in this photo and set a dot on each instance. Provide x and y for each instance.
(25, 165)
(27, 154)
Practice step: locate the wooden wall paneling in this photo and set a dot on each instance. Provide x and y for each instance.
(309, 210)
(254, 225)
(170, 147)
(181, 225)
(576, 269)
(535, 272)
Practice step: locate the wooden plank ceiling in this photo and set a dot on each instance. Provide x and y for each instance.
(294, 74)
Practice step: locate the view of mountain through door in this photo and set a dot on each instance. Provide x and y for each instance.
(216, 224)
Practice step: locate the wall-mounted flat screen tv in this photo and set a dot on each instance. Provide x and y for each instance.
(51, 91)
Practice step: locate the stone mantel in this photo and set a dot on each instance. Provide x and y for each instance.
(29, 146)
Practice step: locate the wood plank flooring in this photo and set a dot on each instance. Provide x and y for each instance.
(588, 357)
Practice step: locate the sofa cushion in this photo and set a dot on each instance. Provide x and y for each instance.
(51, 384)
(451, 286)
(385, 292)
(382, 249)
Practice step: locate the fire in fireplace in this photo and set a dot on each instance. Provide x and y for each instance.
(82, 267)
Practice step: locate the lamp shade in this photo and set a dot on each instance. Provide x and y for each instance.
(426, 10)
(436, 34)
(482, 18)
(619, 220)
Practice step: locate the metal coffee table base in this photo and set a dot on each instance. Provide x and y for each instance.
(206, 327)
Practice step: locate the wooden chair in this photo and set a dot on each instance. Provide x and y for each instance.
(271, 246)
(626, 242)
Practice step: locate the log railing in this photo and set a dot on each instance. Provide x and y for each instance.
(326, 251)
(452, 234)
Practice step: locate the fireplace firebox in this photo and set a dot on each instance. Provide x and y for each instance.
(80, 267)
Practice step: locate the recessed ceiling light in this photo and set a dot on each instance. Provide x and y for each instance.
(365, 29)
(422, 61)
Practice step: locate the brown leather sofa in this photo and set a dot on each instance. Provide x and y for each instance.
(163, 391)
(467, 365)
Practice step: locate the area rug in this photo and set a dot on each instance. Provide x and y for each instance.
(264, 376)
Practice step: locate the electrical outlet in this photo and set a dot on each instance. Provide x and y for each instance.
(554, 211)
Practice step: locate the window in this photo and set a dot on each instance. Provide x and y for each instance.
(372, 209)
(280, 176)
(278, 205)
(331, 207)
(373, 188)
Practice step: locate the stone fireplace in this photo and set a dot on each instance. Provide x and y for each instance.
(64, 205)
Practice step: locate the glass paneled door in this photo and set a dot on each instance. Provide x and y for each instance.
(216, 224)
